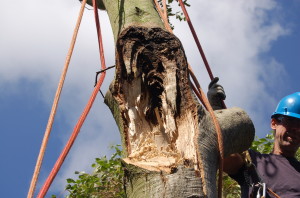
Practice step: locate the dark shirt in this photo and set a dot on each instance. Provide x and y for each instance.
(281, 175)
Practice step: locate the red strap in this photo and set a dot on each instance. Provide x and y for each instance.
(196, 39)
(198, 44)
(83, 116)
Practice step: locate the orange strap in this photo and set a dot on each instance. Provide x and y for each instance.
(54, 107)
(83, 116)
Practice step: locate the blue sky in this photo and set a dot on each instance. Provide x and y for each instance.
(253, 46)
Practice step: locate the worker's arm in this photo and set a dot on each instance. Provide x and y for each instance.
(233, 163)
(216, 95)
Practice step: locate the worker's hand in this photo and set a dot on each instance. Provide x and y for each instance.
(216, 94)
(216, 90)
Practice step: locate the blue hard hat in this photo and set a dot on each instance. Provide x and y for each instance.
(289, 106)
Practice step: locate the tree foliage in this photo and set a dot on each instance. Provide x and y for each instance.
(172, 13)
(105, 181)
(107, 178)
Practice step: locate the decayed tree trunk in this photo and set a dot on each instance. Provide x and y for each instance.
(168, 138)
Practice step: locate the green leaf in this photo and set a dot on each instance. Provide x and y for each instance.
(106, 179)
(69, 180)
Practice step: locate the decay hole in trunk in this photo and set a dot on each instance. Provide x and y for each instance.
(159, 109)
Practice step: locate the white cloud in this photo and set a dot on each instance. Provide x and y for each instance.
(34, 45)
(234, 36)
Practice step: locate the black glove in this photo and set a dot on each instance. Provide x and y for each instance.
(216, 94)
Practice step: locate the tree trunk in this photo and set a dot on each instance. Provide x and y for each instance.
(168, 138)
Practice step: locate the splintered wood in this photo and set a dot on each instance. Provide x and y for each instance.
(156, 105)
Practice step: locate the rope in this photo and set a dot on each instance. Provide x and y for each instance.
(198, 91)
(83, 116)
(196, 39)
(54, 108)
(273, 193)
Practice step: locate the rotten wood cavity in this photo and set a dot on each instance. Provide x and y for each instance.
(159, 125)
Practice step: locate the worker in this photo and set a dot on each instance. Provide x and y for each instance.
(268, 175)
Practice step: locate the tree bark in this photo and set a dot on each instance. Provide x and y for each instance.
(168, 138)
